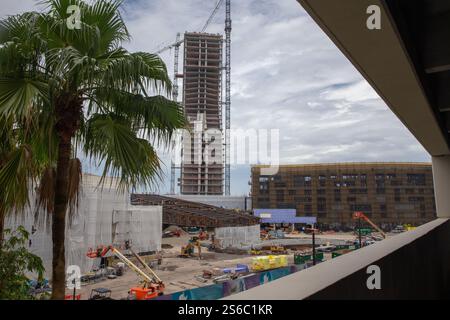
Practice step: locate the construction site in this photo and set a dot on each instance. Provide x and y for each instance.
(146, 246)
(198, 242)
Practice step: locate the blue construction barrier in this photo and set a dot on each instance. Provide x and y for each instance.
(217, 291)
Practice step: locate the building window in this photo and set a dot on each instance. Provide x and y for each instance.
(416, 199)
(358, 191)
(416, 179)
(292, 192)
(286, 206)
(381, 191)
(308, 192)
(280, 185)
(366, 208)
(322, 181)
(379, 183)
(308, 209)
(321, 191)
(308, 180)
(383, 211)
(277, 178)
(280, 195)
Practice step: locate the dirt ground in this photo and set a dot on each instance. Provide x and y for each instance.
(179, 273)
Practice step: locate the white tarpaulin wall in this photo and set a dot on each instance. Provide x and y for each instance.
(237, 237)
(103, 218)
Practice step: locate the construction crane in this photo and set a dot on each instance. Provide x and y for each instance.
(361, 215)
(227, 93)
(179, 41)
(175, 98)
(216, 8)
(176, 45)
(152, 284)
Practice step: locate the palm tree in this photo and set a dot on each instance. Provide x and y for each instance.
(79, 90)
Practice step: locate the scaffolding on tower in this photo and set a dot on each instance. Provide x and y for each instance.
(176, 45)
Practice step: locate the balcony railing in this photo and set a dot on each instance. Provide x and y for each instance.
(412, 265)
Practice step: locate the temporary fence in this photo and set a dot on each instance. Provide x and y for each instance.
(237, 237)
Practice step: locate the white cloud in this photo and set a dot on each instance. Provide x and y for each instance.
(286, 74)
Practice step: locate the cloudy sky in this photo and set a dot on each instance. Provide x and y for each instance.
(286, 75)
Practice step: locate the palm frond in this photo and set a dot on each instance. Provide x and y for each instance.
(16, 176)
(157, 116)
(109, 140)
(137, 72)
(19, 96)
(45, 196)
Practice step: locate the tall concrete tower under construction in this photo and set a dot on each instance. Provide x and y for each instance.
(202, 167)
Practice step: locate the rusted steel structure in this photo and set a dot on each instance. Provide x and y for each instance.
(193, 214)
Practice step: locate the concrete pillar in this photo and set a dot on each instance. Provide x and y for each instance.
(441, 177)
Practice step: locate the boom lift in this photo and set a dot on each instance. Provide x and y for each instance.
(361, 215)
(152, 284)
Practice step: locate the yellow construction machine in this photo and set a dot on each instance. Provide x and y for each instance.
(188, 250)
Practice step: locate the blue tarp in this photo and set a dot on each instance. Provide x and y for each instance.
(282, 216)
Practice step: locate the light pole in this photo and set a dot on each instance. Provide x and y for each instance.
(313, 230)
(359, 233)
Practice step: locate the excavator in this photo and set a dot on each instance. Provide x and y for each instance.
(152, 286)
(187, 251)
(361, 215)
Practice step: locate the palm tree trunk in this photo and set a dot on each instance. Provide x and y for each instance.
(69, 112)
(2, 226)
(59, 219)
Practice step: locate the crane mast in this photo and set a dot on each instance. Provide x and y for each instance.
(175, 98)
(227, 93)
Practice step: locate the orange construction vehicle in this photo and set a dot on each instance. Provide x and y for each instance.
(152, 285)
(361, 215)
(203, 235)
